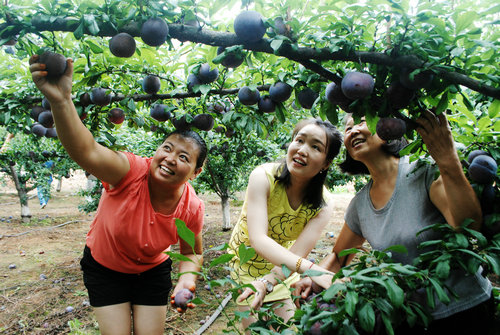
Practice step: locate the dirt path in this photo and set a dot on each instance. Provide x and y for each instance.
(41, 290)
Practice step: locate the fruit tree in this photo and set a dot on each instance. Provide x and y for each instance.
(248, 67)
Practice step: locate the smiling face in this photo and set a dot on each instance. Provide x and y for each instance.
(174, 161)
(358, 139)
(306, 155)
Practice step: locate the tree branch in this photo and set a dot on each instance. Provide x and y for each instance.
(302, 55)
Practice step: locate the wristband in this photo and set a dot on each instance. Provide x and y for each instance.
(297, 265)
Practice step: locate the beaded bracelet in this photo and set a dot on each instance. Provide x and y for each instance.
(297, 265)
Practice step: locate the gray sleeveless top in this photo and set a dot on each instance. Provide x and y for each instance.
(408, 211)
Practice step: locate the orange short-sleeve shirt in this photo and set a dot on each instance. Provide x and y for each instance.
(127, 235)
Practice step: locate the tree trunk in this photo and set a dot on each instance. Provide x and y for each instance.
(226, 214)
(59, 184)
(22, 193)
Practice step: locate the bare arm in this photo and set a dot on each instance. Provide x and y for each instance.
(265, 246)
(451, 193)
(105, 164)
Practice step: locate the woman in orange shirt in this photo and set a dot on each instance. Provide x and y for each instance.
(125, 268)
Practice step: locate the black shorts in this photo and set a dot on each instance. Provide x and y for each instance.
(107, 287)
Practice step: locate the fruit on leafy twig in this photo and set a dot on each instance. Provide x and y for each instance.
(46, 119)
(203, 122)
(181, 122)
(154, 32)
(35, 112)
(266, 104)
(483, 169)
(100, 96)
(85, 99)
(160, 112)
(390, 128)
(151, 84)
(192, 81)
(334, 95)
(280, 91)
(231, 59)
(420, 80)
(249, 26)
(38, 130)
(51, 133)
(116, 115)
(122, 45)
(357, 85)
(474, 153)
(248, 96)
(55, 64)
(307, 97)
(207, 75)
(45, 104)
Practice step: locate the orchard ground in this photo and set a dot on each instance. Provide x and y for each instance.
(41, 287)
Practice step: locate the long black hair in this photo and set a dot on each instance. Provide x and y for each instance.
(191, 134)
(314, 190)
(353, 167)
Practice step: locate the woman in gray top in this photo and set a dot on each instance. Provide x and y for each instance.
(398, 202)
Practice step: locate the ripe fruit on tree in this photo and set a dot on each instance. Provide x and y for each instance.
(203, 122)
(474, 153)
(483, 169)
(192, 81)
(357, 85)
(154, 32)
(55, 64)
(307, 97)
(231, 59)
(151, 84)
(38, 130)
(46, 119)
(100, 96)
(248, 96)
(249, 26)
(398, 95)
(390, 128)
(51, 133)
(85, 99)
(122, 45)
(45, 104)
(266, 104)
(280, 91)
(116, 115)
(420, 80)
(207, 75)
(335, 96)
(181, 122)
(160, 112)
(182, 298)
(35, 112)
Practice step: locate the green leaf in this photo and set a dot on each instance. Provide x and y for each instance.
(397, 248)
(346, 252)
(439, 291)
(443, 103)
(221, 259)
(245, 253)
(387, 323)
(366, 317)
(493, 262)
(276, 44)
(178, 257)
(395, 293)
(332, 291)
(443, 269)
(351, 299)
(494, 109)
(184, 232)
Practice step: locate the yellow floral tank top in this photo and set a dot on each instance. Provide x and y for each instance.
(285, 225)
